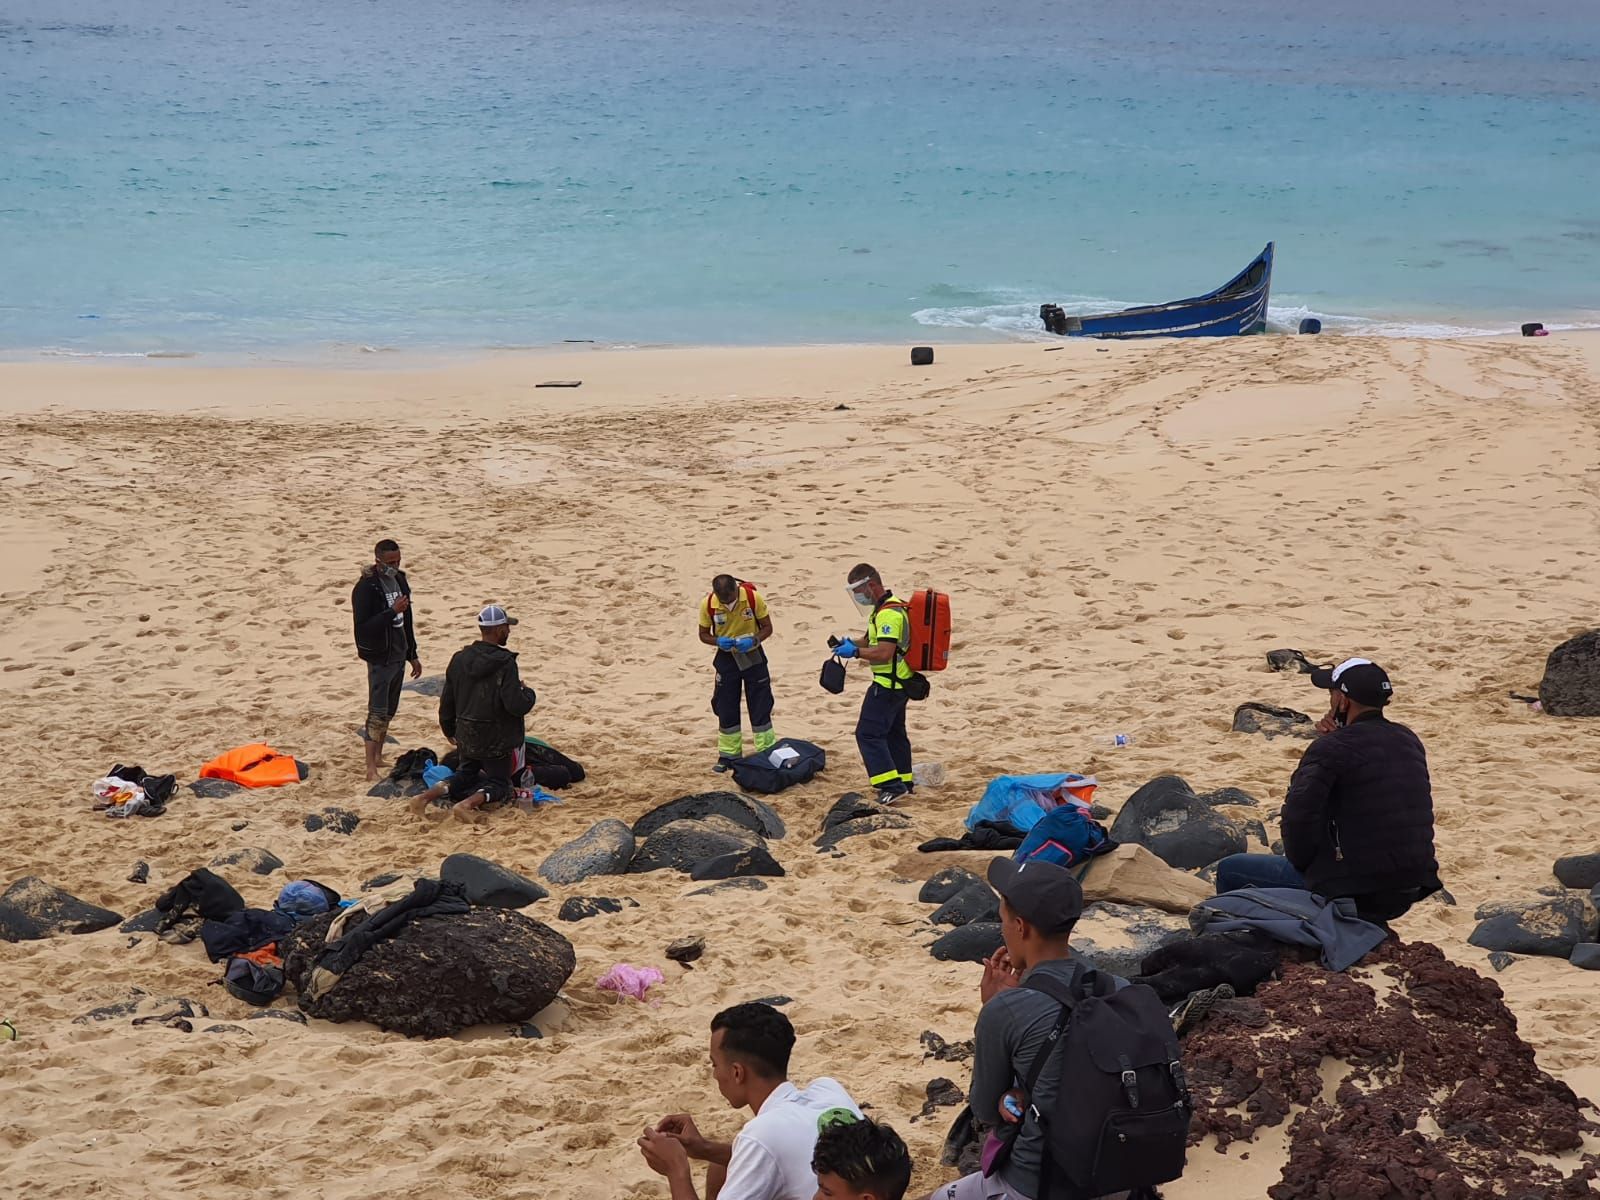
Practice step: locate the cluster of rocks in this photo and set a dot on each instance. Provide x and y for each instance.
(708, 836)
(1186, 829)
(1558, 922)
(1421, 1089)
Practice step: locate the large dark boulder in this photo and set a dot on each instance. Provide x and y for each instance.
(747, 811)
(489, 884)
(144, 922)
(31, 909)
(606, 849)
(1578, 870)
(438, 975)
(1571, 683)
(740, 864)
(968, 943)
(1168, 818)
(679, 845)
(945, 883)
(1550, 925)
(1119, 937)
(887, 819)
(975, 903)
(1271, 721)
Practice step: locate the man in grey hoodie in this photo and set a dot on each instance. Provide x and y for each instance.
(481, 711)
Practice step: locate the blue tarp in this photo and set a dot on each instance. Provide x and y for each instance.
(1019, 799)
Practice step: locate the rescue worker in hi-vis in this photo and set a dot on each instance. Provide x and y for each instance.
(881, 728)
(734, 619)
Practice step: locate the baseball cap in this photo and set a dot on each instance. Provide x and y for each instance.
(493, 615)
(1363, 680)
(1042, 893)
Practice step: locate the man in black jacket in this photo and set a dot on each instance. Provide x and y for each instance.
(380, 605)
(481, 712)
(1358, 820)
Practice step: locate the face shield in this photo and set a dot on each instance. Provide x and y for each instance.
(861, 597)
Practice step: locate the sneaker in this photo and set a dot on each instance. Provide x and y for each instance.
(724, 765)
(1188, 1014)
(892, 796)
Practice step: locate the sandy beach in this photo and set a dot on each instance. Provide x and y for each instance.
(1125, 530)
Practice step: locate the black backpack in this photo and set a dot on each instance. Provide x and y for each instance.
(757, 774)
(1122, 1121)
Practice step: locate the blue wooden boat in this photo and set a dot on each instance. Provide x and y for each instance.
(1238, 306)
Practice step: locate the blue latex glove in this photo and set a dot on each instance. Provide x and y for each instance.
(725, 643)
(845, 649)
(745, 644)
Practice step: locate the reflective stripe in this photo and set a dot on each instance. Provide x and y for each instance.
(890, 776)
(730, 745)
(766, 739)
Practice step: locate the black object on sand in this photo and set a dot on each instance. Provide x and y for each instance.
(560, 383)
(1310, 325)
(1532, 328)
(922, 356)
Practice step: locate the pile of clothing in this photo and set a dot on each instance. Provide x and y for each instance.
(131, 791)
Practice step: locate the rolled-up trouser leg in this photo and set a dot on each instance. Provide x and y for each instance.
(383, 696)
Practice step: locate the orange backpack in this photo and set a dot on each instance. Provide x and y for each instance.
(928, 620)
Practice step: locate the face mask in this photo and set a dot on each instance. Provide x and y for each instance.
(388, 571)
(861, 600)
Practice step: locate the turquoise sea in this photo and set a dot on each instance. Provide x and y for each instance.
(281, 177)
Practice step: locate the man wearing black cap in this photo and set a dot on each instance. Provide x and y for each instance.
(1358, 820)
(1040, 902)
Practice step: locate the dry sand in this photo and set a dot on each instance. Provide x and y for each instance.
(1125, 530)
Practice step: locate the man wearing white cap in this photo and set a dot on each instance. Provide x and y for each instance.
(1358, 820)
(482, 707)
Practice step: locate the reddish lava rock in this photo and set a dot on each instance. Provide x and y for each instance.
(1440, 1099)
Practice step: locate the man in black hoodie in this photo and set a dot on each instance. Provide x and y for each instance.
(481, 711)
(380, 604)
(1358, 819)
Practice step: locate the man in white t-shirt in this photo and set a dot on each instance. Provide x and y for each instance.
(771, 1157)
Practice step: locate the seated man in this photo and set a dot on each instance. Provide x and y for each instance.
(858, 1159)
(771, 1157)
(1040, 903)
(1358, 820)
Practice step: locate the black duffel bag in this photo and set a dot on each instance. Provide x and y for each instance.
(757, 774)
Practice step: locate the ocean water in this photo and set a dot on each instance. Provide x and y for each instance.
(279, 177)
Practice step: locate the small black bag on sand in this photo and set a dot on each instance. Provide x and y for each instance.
(832, 679)
(252, 982)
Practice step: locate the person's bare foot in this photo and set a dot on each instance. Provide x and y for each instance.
(372, 773)
(418, 804)
(469, 816)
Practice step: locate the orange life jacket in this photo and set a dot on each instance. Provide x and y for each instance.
(253, 766)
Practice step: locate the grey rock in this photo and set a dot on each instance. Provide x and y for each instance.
(1119, 937)
(888, 819)
(1443, 896)
(1230, 795)
(679, 845)
(428, 685)
(1257, 830)
(31, 909)
(178, 1023)
(1551, 925)
(687, 950)
(527, 1031)
(214, 789)
(1500, 960)
(1571, 683)
(581, 908)
(378, 881)
(1166, 817)
(224, 1029)
(1578, 870)
(946, 883)
(850, 806)
(433, 978)
(239, 826)
(140, 872)
(773, 1001)
(606, 849)
(1277, 847)
(488, 884)
(252, 858)
(1100, 812)
(1271, 721)
(740, 885)
(145, 922)
(942, 1093)
(755, 815)
(968, 943)
(278, 1014)
(752, 860)
(976, 902)
(1586, 955)
(396, 789)
(144, 1008)
(337, 820)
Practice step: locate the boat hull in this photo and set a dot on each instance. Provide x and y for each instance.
(1237, 307)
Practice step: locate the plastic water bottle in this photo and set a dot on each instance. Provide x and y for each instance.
(1117, 739)
(928, 774)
